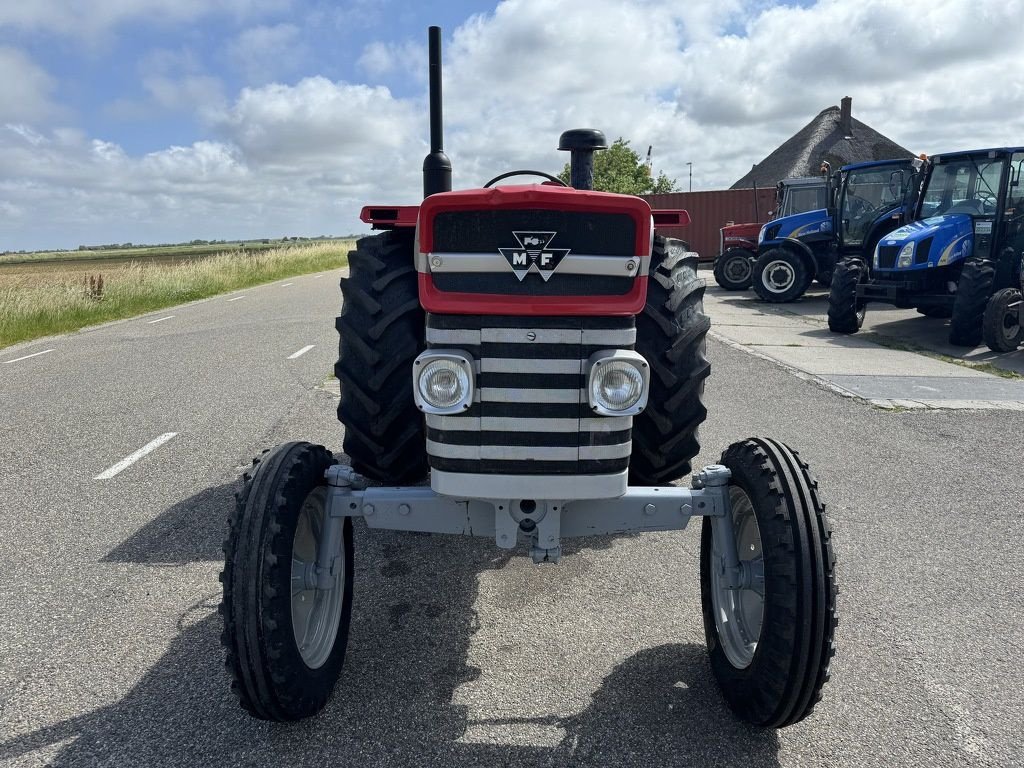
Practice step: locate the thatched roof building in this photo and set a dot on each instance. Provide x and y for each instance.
(834, 135)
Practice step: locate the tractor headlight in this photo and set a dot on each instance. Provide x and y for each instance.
(906, 257)
(761, 234)
(617, 382)
(443, 381)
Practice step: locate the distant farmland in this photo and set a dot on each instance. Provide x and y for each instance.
(94, 259)
(45, 295)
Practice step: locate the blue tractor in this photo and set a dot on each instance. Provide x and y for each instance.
(865, 202)
(963, 244)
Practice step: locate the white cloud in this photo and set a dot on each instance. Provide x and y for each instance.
(719, 83)
(25, 88)
(264, 53)
(406, 58)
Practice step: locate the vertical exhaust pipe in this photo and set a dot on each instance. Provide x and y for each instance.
(437, 168)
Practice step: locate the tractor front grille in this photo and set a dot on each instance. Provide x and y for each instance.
(530, 415)
(887, 256)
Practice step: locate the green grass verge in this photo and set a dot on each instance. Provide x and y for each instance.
(36, 305)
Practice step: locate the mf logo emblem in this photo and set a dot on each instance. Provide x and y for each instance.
(533, 254)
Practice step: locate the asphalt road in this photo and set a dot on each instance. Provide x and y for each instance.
(461, 655)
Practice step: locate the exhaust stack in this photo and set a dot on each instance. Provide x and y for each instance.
(437, 168)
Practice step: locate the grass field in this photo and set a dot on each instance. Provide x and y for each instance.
(54, 296)
(179, 252)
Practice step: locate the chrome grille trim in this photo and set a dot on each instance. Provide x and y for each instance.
(531, 365)
(511, 395)
(528, 452)
(510, 424)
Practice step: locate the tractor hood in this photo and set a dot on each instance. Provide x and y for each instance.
(957, 223)
(796, 226)
(932, 242)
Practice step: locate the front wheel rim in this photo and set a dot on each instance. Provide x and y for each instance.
(739, 613)
(1011, 321)
(316, 613)
(778, 276)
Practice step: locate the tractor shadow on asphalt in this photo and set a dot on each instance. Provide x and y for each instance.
(395, 705)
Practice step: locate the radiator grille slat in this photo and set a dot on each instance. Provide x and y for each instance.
(531, 415)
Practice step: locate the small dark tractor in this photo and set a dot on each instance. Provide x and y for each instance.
(737, 249)
(537, 354)
(963, 245)
(863, 202)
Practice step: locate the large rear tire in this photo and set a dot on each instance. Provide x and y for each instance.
(380, 334)
(671, 333)
(845, 311)
(285, 640)
(780, 276)
(972, 294)
(733, 269)
(771, 644)
(1002, 328)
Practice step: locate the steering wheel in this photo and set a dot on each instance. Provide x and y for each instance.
(547, 176)
(858, 206)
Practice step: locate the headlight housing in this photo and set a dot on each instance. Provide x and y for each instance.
(906, 257)
(618, 382)
(442, 381)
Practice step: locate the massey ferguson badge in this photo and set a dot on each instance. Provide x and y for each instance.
(533, 254)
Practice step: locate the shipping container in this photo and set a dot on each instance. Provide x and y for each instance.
(710, 211)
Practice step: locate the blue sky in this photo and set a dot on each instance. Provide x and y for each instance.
(156, 121)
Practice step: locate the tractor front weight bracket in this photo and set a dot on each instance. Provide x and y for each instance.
(542, 523)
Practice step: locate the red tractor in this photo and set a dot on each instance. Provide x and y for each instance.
(737, 246)
(537, 353)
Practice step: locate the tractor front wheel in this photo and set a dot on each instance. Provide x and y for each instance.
(845, 311)
(733, 269)
(285, 629)
(972, 294)
(1002, 328)
(780, 276)
(770, 641)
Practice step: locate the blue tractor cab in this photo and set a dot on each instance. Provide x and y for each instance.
(963, 244)
(864, 202)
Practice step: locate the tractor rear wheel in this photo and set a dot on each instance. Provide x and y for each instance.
(670, 334)
(780, 276)
(733, 269)
(1002, 327)
(771, 641)
(380, 334)
(845, 311)
(972, 294)
(284, 632)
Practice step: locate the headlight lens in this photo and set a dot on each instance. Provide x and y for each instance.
(906, 256)
(443, 381)
(617, 386)
(618, 383)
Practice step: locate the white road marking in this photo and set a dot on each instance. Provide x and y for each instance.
(301, 352)
(316, 276)
(159, 320)
(26, 357)
(236, 298)
(129, 460)
(285, 285)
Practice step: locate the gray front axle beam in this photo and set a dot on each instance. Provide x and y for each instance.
(542, 522)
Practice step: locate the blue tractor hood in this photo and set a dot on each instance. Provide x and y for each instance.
(796, 226)
(937, 241)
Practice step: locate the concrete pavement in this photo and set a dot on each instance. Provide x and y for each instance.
(866, 365)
